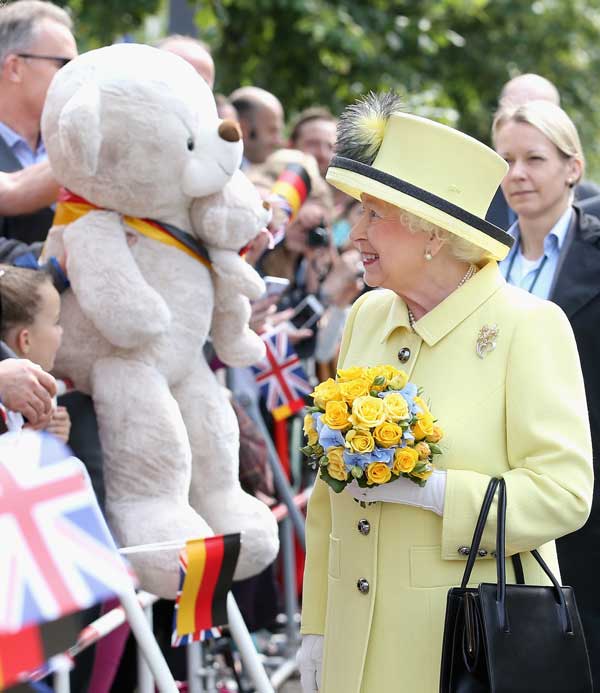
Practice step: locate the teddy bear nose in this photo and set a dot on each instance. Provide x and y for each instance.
(230, 131)
(266, 205)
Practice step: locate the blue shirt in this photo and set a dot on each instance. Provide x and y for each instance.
(20, 148)
(536, 276)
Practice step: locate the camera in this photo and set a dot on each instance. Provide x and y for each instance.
(318, 237)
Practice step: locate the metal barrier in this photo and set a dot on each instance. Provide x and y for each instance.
(137, 611)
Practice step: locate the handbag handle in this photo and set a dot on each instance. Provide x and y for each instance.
(493, 486)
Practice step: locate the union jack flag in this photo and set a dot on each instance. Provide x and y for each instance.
(56, 554)
(280, 376)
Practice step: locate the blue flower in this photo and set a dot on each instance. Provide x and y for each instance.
(329, 438)
(317, 416)
(363, 459)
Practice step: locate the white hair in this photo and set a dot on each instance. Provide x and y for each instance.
(461, 249)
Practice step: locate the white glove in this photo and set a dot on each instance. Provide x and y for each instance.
(309, 660)
(402, 490)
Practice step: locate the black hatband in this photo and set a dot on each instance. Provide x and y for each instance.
(429, 198)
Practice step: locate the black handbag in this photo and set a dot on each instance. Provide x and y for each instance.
(501, 638)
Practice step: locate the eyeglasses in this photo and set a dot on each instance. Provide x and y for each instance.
(57, 59)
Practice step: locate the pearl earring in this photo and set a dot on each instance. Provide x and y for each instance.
(428, 255)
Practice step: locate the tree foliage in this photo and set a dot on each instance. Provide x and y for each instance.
(448, 58)
(99, 22)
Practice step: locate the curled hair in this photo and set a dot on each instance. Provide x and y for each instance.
(20, 297)
(461, 249)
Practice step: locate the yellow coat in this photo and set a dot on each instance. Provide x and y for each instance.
(519, 412)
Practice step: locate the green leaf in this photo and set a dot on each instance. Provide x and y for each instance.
(435, 449)
(324, 461)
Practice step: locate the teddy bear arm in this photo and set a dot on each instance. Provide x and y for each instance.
(108, 284)
(235, 275)
(234, 342)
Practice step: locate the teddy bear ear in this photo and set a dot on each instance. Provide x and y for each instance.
(79, 128)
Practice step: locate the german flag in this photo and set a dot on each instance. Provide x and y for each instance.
(210, 566)
(27, 649)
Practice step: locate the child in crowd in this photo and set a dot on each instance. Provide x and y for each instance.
(29, 312)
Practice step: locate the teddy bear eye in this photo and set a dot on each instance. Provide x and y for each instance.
(190, 144)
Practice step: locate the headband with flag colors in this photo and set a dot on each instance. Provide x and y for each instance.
(293, 187)
(210, 564)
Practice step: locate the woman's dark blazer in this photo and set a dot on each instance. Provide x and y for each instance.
(577, 291)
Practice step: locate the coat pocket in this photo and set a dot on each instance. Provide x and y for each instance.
(334, 568)
(428, 569)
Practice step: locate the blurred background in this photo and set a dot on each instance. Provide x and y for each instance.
(448, 58)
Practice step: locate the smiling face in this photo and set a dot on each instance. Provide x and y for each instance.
(392, 255)
(537, 185)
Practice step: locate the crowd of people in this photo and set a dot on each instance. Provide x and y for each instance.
(346, 239)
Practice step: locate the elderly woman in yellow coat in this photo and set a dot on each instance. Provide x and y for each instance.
(501, 370)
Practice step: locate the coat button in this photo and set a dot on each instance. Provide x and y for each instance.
(404, 355)
(362, 585)
(482, 553)
(364, 527)
(464, 550)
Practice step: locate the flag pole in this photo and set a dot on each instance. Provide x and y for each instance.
(146, 641)
(247, 649)
(281, 482)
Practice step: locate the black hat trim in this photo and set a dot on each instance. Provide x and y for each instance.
(429, 198)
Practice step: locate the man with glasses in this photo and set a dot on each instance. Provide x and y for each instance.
(36, 40)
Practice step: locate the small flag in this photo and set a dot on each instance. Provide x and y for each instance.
(280, 376)
(198, 636)
(56, 555)
(207, 567)
(24, 654)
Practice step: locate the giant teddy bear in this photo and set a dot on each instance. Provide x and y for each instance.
(133, 135)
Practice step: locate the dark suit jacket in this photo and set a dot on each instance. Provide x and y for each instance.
(577, 292)
(28, 228)
(498, 210)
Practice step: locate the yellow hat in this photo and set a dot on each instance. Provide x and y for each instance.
(423, 167)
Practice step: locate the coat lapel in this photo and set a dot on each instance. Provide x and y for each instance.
(579, 277)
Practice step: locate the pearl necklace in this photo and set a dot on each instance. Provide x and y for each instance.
(470, 272)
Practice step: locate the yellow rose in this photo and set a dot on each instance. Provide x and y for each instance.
(423, 450)
(425, 474)
(327, 391)
(387, 372)
(336, 415)
(350, 374)
(436, 436)
(396, 407)
(420, 402)
(351, 389)
(398, 382)
(387, 434)
(310, 431)
(367, 412)
(336, 465)
(405, 460)
(378, 473)
(359, 441)
(423, 426)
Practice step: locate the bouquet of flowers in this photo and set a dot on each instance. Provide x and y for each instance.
(371, 425)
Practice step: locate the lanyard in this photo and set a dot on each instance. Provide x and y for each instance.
(537, 272)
